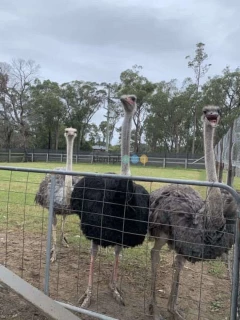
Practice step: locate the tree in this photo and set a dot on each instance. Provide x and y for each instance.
(114, 110)
(132, 81)
(167, 125)
(200, 69)
(82, 100)
(48, 114)
(15, 96)
(224, 90)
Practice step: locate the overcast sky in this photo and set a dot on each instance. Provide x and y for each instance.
(97, 40)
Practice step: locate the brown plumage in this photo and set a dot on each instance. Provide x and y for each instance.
(62, 192)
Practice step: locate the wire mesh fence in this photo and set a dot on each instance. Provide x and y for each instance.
(205, 289)
(228, 148)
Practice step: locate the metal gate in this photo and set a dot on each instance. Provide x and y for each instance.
(26, 233)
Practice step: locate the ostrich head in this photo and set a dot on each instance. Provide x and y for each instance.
(70, 133)
(211, 115)
(129, 103)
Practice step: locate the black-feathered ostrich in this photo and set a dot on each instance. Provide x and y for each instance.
(62, 192)
(113, 211)
(195, 229)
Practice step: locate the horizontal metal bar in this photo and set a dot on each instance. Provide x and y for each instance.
(136, 178)
(42, 302)
(85, 311)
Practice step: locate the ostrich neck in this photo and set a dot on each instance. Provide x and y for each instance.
(68, 179)
(214, 199)
(209, 154)
(125, 145)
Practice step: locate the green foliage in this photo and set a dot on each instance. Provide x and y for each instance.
(82, 101)
(133, 82)
(34, 113)
(200, 69)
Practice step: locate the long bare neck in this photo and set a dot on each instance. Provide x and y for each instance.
(214, 201)
(68, 179)
(209, 154)
(125, 145)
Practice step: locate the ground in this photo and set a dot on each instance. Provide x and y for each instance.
(205, 287)
(14, 307)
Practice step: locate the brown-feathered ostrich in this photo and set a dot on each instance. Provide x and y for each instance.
(195, 229)
(62, 192)
(113, 211)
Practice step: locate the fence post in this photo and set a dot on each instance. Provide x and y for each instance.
(76, 158)
(9, 155)
(47, 158)
(235, 271)
(32, 156)
(164, 162)
(186, 163)
(49, 235)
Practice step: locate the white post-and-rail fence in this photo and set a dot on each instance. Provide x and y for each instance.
(161, 161)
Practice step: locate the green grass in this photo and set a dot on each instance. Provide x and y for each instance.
(216, 268)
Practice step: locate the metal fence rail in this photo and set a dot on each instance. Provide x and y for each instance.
(25, 231)
(160, 161)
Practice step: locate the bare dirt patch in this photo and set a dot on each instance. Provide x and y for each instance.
(205, 287)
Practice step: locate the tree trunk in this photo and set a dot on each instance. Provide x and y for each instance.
(194, 129)
(49, 139)
(217, 168)
(57, 137)
(230, 167)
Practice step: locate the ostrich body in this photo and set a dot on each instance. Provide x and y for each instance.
(195, 229)
(113, 211)
(62, 192)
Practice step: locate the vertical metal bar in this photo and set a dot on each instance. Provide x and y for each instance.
(49, 234)
(235, 278)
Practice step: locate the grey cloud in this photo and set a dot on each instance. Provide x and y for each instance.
(96, 40)
(148, 31)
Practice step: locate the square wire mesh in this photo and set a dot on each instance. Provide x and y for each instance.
(204, 289)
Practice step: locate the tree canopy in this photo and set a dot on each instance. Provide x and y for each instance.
(34, 112)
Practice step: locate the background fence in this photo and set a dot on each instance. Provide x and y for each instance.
(154, 159)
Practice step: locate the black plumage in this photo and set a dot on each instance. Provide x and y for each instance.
(113, 211)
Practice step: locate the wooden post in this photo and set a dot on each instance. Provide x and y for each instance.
(9, 155)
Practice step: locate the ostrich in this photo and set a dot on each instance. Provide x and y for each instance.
(195, 229)
(63, 190)
(113, 211)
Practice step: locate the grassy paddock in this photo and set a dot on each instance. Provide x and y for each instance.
(18, 189)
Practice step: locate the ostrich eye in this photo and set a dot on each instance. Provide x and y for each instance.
(133, 98)
(204, 111)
